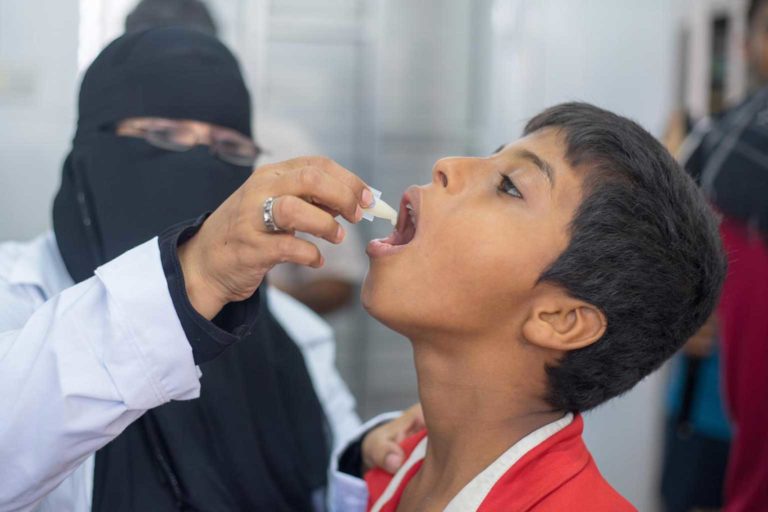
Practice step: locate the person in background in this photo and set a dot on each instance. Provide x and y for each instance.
(329, 290)
(729, 157)
(697, 432)
(165, 13)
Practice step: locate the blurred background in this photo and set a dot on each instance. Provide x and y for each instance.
(386, 87)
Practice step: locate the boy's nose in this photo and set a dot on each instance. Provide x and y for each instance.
(451, 173)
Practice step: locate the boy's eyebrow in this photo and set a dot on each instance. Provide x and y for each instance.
(540, 164)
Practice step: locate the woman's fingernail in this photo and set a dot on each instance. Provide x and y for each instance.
(340, 234)
(367, 198)
(358, 213)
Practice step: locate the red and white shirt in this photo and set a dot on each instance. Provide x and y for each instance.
(548, 470)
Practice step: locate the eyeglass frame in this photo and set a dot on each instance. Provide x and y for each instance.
(134, 127)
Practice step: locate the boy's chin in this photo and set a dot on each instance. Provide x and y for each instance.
(374, 292)
(384, 297)
(383, 306)
(371, 298)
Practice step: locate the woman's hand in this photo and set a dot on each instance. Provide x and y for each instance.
(381, 446)
(226, 260)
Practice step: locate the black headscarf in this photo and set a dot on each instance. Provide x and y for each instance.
(256, 438)
(117, 192)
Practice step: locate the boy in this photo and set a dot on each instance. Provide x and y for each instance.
(536, 284)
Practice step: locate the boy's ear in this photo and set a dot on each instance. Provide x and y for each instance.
(559, 322)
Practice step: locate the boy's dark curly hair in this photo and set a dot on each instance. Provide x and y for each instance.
(645, 249)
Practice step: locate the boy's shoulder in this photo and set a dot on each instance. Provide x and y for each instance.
(557, 474)
(586, 491)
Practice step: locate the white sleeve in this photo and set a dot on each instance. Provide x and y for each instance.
(336, 399)
(82, 367)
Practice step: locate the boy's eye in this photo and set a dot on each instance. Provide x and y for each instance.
(508, 187)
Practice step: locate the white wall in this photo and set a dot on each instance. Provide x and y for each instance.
(38, 72)
(619, 55)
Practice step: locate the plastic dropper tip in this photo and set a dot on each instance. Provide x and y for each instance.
(382, 210)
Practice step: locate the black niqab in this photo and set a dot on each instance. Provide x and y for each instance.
(117, 192)
(256, 438)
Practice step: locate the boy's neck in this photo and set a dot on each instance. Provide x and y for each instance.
(475, 409)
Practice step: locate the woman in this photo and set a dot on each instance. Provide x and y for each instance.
(163, 137)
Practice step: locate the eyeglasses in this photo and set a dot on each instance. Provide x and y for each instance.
(180, 135)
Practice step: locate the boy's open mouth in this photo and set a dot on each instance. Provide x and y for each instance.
(405, 229)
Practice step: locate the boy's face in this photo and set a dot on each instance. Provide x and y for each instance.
(485, 230)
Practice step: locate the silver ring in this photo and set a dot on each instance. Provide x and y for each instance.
(269, 219)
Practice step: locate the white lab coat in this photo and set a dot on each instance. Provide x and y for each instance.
(79, 363)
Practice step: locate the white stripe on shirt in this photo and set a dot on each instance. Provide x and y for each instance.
(474, 493)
